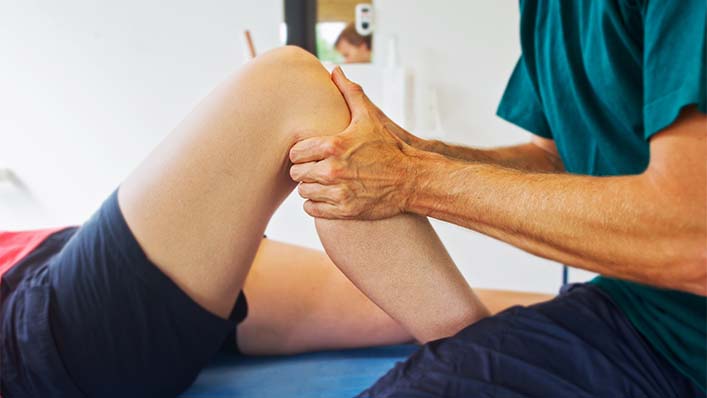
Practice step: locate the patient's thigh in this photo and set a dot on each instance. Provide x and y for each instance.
(198, 205)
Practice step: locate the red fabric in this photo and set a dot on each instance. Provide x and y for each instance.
(14, 246)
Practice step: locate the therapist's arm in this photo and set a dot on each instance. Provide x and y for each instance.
(540, 154)
(648, 228)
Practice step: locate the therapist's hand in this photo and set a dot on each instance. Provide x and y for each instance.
(362, 173)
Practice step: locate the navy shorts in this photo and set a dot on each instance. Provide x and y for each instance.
(576, 345)
(86, 314)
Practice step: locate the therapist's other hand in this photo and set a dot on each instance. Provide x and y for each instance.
(362, 173)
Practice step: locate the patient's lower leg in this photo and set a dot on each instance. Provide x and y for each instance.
(402, 266)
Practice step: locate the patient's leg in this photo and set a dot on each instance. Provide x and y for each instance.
(299, 301)
(199, 204)
(402, 266)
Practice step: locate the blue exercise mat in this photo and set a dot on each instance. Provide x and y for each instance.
(335, 374)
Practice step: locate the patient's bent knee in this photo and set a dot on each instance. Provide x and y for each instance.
(292, 54)
(292, 61)
(290, 90)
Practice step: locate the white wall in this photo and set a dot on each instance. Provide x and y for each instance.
(88, 88)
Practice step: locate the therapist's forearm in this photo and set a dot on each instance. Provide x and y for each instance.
(623, 226)
(528, 156)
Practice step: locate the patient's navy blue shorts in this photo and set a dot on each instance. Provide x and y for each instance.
(86, 314)
(576, 345)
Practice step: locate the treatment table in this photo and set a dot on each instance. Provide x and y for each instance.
(334, 374)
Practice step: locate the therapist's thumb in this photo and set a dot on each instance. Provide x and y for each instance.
(352, 92)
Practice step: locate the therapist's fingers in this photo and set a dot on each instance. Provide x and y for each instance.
(352, 92)
(300, 172)
(310, 172)
(321, 193)
(313, 149)
(322, 210)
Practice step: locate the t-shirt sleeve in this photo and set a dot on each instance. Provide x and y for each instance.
(521, 104)
(673, 60)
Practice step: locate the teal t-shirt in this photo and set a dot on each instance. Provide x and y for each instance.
(600, 78)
